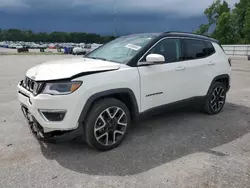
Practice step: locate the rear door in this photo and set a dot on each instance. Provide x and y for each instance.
(199, 66)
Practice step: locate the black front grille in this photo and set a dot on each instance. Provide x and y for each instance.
(32, 86)
(28, 84)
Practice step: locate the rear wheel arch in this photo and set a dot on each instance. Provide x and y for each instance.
(224, 78)
(125, 95)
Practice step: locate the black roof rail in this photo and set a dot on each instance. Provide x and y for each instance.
(191, 35)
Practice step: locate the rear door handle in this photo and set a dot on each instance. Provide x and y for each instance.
(180, 68)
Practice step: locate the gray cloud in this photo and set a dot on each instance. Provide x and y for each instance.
(182, 8)
(98, 15)
(12, 3)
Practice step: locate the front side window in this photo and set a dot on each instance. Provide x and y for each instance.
(195, 49)
(122, 49)
(169, 48)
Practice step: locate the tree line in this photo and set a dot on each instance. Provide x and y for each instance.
(29, 36)
(229, 26)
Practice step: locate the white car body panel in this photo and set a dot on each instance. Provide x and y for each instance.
(163, 83)
(152, 86)
(172, 82)
(200, 73)
(221, 59)
(44, 102)
(126, 77)
(62, 69)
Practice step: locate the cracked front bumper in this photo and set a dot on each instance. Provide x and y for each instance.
(55, 136)
(42, 128)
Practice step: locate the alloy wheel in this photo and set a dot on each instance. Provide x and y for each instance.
(110, 126)
(218, 99)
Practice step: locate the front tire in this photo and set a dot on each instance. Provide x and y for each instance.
(215, 99)
(107, 124)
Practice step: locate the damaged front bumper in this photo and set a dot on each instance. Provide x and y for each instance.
(54, 136)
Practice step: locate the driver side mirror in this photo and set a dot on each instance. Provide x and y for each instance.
(155, 58)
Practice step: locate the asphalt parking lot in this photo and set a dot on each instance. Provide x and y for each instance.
(183, 148)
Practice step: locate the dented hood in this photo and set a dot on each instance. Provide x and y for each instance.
(63, 69)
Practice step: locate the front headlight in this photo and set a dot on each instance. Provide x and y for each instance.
(61, 88)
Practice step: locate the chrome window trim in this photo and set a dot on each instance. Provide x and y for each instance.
(141, 62)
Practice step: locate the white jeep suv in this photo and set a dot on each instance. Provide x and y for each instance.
(99, 95)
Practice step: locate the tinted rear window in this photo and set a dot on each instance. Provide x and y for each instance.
(210, 48)
(195, 49)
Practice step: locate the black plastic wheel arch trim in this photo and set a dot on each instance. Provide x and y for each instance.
(107, 93)
(218, 78)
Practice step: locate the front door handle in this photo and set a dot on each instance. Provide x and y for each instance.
(180, 68)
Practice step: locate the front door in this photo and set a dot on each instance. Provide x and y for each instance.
(163, 83)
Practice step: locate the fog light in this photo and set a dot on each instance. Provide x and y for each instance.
(53, 115)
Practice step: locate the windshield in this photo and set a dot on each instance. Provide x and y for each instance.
(122, 49)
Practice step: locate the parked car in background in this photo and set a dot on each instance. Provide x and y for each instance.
(19, 47)
(44, 45)
(52, 46)
(79, 51)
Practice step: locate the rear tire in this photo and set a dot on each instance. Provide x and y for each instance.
(107, 124)
(215, 99)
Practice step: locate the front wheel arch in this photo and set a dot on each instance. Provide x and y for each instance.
(120, 94)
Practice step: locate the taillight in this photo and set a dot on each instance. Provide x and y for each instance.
(229, 61)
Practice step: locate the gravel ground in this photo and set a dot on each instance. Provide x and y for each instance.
(183, 148)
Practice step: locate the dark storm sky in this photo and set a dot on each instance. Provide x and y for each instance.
(98, 16)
